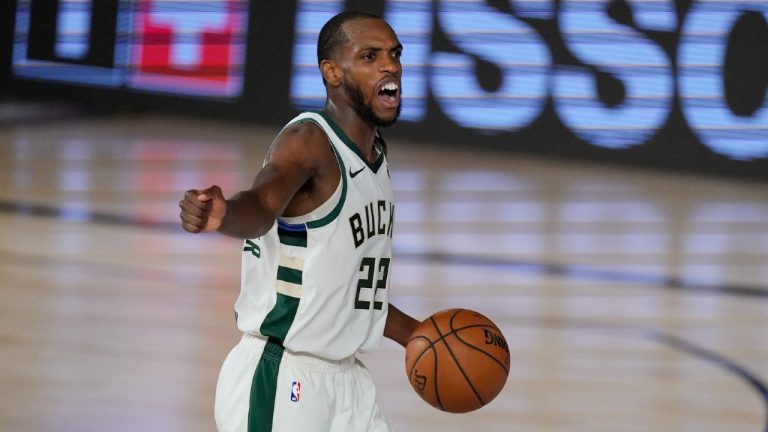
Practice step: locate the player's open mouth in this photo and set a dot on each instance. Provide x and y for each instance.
(389, 94)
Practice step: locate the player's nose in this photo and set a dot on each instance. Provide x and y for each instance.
(390, 65)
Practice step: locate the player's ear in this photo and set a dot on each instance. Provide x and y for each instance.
(331, 72)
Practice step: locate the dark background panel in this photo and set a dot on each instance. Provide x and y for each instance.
(7, 13)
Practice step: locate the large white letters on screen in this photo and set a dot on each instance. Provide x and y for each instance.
(642, 67)
(700, 61)
(502, 40)
(497, 75)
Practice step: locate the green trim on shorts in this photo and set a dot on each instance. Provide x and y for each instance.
(261, 409)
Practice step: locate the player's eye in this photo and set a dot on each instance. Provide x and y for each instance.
(369, 56)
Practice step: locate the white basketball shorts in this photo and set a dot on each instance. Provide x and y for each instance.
(263, 387)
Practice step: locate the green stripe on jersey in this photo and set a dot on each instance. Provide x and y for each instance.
(278, 321)
(287, 274)
(292, 238)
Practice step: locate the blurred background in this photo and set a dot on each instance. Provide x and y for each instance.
(674, 84)
(588, 173)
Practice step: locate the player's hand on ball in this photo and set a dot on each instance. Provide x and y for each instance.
(202, 211)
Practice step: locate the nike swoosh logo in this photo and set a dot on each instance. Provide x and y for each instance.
(353, 174)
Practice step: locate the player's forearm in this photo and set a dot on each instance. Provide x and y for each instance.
(246, 216)
(399, 326)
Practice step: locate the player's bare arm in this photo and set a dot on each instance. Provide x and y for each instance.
(399, 326)
(301, 173)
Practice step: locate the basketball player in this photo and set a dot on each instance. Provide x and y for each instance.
(317, 254)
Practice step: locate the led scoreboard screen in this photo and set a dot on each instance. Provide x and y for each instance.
(190, 47)
(680, 84)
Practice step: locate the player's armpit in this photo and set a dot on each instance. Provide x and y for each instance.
(294, 159)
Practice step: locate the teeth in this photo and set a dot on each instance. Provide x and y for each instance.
(389, 86)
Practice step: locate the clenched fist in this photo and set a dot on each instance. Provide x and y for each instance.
(202, 211)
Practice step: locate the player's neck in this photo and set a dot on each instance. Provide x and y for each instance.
(359, 131)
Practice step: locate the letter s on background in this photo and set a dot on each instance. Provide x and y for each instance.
(493, 36)
(643, 68)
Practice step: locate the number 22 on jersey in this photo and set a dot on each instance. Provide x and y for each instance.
(371, 274)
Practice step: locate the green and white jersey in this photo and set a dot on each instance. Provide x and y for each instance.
(319, 283)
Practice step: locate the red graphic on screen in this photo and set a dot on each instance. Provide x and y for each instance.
(196, 44)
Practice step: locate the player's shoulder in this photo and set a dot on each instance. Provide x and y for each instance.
(301, 140)
(304, 131)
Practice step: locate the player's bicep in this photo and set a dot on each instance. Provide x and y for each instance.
(289, 165)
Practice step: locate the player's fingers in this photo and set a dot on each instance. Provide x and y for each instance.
(191, 202)
(194, 229)
(194, 208)
(192, 223)
(191, 198)
(210, 193)
(193, 212)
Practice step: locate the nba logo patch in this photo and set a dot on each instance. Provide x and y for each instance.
(295, 391)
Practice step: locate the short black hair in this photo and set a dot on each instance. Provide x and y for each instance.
(332, 36)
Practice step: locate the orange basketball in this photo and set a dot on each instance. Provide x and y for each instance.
(457, 360)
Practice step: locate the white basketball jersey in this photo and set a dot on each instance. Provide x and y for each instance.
(319, 283)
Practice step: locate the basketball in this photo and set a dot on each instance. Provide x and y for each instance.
(457, 360)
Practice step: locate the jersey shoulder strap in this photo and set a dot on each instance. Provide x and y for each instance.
(330, 209)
